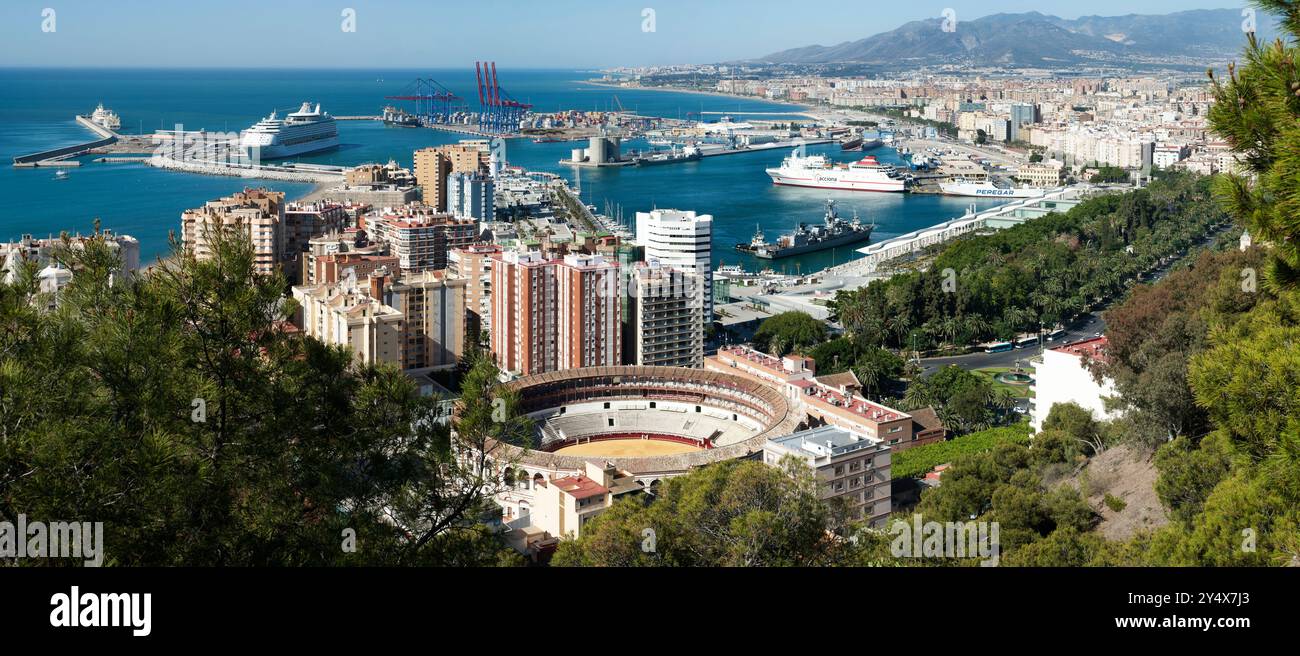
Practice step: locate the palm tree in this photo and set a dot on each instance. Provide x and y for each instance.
(898, 325)
(853, 313)
(778, 344)
(949, 327)
(869, 374)
(975, 325)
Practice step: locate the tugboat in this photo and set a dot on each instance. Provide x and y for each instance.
(810, 239)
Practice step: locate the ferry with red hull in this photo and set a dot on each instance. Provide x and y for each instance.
(816, 171)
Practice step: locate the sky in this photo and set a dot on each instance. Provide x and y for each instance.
(392, 34)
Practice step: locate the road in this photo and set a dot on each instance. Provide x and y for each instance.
(1086, 328)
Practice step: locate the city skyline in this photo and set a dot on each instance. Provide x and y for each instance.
(401, 34)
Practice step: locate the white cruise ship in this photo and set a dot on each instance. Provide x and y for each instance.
(986, 189)
(866, 174)
(304, 131)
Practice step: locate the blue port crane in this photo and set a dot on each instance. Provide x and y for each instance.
(433, 101)
(498, 113)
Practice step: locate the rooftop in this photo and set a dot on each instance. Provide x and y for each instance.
(1094, 348)
(580, 487)
(825, 441)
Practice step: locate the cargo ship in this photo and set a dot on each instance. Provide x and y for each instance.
(986, 189)
(866, 174)
(810, 239)
(687, 154)
(400, 118)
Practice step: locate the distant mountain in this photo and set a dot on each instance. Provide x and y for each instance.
(1034, 39)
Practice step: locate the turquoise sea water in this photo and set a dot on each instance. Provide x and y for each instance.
(37, 109)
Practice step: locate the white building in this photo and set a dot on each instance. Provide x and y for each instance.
(681, 240)
(848, 465)
(1062, 376)
(1168, 154)
(470, 196)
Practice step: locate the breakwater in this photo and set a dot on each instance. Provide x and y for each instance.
(288, 173)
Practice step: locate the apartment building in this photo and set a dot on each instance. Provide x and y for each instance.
(433, 311)
(42, 251)
(665, 317)
(681, 240)
(850, 468)
(433, 165)
(304, 222)
(345, 314)
(328, 256)
(473, 264)
(549, 314)
(470, 196)
(589, 312)
(256, 213)
(419, 236)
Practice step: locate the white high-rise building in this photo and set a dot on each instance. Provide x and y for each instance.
(470, 196)
(682, 241)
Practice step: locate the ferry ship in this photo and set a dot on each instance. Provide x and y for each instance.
(106, 118)
(307, 130)
(866, 174)
(810, 239)
(986, 189)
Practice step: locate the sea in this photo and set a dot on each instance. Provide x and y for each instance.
(38, 108)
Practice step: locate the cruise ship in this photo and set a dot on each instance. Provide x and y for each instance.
(866, 174)
(810, 239)
(986, 189)
(305, 131)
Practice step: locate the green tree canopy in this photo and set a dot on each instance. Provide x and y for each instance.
(789, 332)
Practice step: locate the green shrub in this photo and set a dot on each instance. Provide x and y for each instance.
(1115, 503)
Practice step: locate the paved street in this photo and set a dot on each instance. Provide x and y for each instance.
(1086, 328)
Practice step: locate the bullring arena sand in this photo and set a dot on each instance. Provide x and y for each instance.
(627, 449)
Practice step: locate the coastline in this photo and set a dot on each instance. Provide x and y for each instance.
(806, 108)
(313, 195)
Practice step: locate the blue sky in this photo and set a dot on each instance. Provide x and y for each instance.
(438, 33)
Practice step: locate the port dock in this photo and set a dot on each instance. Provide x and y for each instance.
(59, 156)
(602, 159)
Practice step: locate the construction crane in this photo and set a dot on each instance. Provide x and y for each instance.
(498, 113)
(433, 101)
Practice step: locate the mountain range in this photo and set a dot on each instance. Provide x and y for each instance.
(1038, 40)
